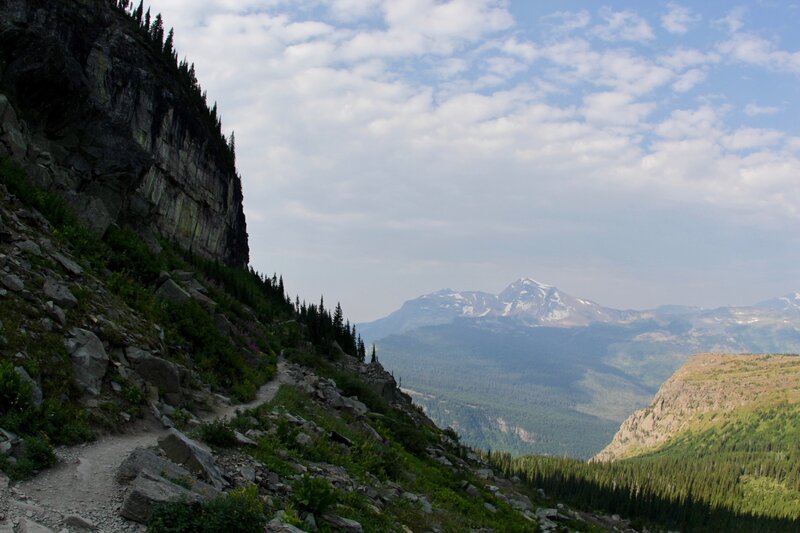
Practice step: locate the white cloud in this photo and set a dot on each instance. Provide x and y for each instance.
(688, 80)
(426, 124)
(613, 108)
(623, 26)
(678, 19)
(567, 21)
(733, 21)
(749, 138)
(753, 110)
(755, 50)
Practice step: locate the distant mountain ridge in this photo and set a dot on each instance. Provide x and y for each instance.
(562, 371)
(533, 303)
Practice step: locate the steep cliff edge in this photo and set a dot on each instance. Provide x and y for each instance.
(91, 110)
(710, 390)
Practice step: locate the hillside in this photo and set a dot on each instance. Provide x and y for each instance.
(535, 370)
(716, 450)
(148, 378)
(709, 392)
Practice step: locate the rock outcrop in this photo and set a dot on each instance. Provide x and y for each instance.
(91, 110)
(708, 386)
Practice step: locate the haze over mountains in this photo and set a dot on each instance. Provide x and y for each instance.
(533, 369)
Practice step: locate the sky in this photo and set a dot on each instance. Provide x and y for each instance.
(632, 153)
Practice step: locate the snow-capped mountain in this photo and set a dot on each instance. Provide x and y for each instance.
(528, 301)
(785, 304)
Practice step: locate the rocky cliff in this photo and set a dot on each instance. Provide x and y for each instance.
(90, 109)
(705, 392)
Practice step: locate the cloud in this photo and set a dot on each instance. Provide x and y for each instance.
(623, 26)
(733, 21)
(753, 110)
(678, 19)
(562, 22)
(688, 80)
(381, 135)
(755, 50)
(750, 138)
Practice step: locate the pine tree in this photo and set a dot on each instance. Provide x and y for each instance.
(137, 13)
(147, 20)
(374, 358)
(169, 43)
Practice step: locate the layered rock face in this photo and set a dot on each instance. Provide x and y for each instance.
(88, 108)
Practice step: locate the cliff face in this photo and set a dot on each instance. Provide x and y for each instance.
(706, 391)
(89, 109)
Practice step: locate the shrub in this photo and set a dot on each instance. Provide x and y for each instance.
(15, 393)
(241, 511)
(313, 495)
(217, 433)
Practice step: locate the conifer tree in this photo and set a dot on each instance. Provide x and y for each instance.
(374, 358)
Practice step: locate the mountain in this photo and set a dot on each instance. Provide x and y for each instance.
(127, 312)
(534, 370)
(716, 450)
(526, 300)
(709, 391)
(93, 108)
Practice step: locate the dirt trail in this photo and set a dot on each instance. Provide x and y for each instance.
(83, 481)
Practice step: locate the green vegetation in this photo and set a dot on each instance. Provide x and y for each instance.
(217, 433)
(240, 511)
(742, 474)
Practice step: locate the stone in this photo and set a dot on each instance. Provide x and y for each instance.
(354, 406)
(473, 491)
(145, 460)
(56, 313)
(13, 283)
(162, 373)
(303, 439)
(334, 436)
(29, 526)
(185, 451)
(29, 247)
(36, 389)
(310, 523)
(520, 502)
(79, 522)
(59, 294)
(248, 473)
(148, 491)
(343, 524)
(72, 268)
(245, 441)
(89, 359)
(173, 293)
(484, 473)
(489, 507)
(276, 525)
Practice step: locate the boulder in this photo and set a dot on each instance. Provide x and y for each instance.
(354, 406)
(37, 390)
(13, 283)
(59, 294)
(89, 359)
(191, 454)
(173, 293)
(160, 372)
(145, 460)
(148, 491)
(29, 526)
(56, 313)
(343, 524)
(80, 523)
(72, 268)
(29, 247)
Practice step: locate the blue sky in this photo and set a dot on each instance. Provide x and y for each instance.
(634, 153)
